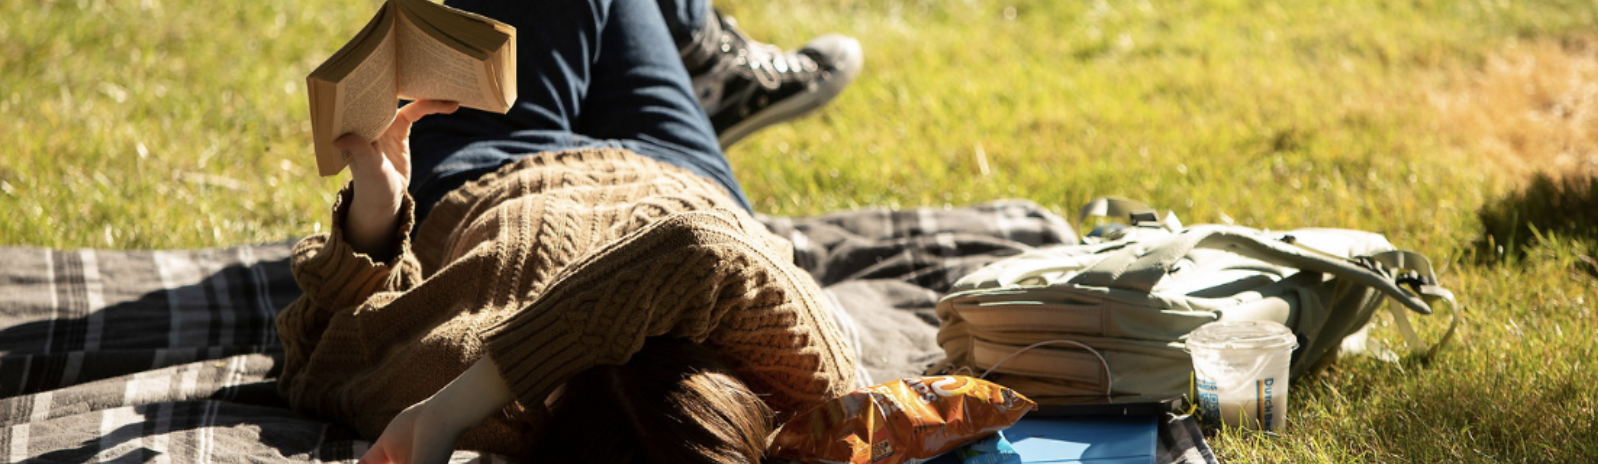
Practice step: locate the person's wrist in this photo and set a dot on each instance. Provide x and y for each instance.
(369, 233)
(376, 188)
(376, 211)
(373, 213)
(440, 415)
(473, 396)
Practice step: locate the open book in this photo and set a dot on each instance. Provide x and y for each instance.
(415, 50)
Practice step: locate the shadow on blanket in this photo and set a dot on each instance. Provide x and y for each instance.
(171, 355)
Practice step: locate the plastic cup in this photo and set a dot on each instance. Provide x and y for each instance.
(1241, 369)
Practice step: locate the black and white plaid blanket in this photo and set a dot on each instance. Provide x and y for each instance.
(171, 356)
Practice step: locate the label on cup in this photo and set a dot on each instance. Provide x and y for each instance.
(1265, 399)
(1209, 397)
(1255, 404)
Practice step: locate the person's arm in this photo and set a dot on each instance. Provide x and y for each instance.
(380, 170)
(701, 276)
(364, 255)
(426, 432)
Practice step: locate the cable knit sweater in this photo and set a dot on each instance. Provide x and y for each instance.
(552, 265)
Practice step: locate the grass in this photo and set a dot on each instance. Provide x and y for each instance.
(182, 123)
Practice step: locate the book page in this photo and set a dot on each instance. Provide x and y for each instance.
(431, 70)
(367, 95)
(503, 69)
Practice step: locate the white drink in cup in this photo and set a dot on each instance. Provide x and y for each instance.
(1241, 371)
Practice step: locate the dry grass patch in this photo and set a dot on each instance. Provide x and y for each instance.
(1531, 107)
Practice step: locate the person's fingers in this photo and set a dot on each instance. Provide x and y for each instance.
(361, 150)
(401, 127)
(419, 108)
(402, 164)
(400, 130)
(354, 143)
(398, 152)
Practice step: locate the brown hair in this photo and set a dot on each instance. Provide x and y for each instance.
(673, 402)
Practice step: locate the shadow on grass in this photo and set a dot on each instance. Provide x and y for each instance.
(1545, 208)
(1448, 418)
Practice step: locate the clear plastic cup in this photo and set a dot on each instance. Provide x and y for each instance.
(1241, 369)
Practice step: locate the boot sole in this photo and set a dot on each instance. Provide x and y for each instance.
(799, 105)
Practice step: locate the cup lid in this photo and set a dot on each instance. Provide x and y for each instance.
(1242, 335)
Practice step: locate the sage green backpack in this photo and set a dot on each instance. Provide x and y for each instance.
(1109, 317)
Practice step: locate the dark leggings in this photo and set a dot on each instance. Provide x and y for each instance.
(591, 73)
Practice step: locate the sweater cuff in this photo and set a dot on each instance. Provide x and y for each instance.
(331, 271)
(537, 352)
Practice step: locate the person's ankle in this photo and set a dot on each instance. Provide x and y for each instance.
(701, 50)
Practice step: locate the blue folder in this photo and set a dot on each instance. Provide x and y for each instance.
(1097, 440)
(1108, 440)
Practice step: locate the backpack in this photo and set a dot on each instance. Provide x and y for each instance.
(1109, 316)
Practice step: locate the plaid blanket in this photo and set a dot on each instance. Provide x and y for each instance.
(170, 355)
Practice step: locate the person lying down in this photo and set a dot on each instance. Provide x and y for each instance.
(580, 279)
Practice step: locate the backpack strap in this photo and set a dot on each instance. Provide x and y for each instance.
(1141, 266)
(1414, 270)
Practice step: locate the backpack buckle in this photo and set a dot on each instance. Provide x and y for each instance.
(1145, 218)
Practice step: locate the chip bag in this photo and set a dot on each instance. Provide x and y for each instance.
(903, 421)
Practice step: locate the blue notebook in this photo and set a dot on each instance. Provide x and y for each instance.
(1110, 440)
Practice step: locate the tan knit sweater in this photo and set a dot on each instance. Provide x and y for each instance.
(552, 265)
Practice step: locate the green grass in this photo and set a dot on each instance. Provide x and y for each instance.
(183, 123)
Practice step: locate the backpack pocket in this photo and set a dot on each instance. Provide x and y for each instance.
(1142, 366)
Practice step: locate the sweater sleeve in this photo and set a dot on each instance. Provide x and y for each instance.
(335, 278)
(696, 276)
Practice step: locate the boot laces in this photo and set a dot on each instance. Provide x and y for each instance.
(763, 63)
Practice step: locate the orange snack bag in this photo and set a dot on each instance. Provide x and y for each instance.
(903, 421)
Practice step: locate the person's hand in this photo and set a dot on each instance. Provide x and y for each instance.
(382, 169)
(418, 435)
(426, 432)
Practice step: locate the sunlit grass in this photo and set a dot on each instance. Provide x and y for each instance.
(181, 123)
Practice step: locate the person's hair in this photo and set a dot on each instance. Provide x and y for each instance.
(673, 402)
